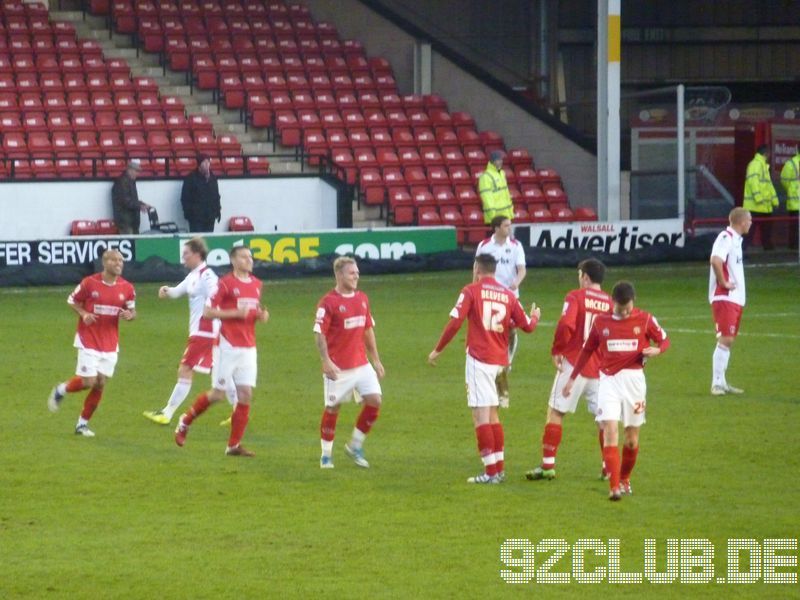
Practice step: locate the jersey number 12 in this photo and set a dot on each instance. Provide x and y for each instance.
(494, 313)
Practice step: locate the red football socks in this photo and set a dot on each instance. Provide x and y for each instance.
(368, 416)
(611, 456)
(550, 441)
(485, 435)
(499, 443)
(239, 418)
(75, 384)
(198, 408)
(327, 428)
(628, 461)
(90, 404)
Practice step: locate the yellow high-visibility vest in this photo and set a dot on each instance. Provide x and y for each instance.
(759, 193)
(493, 189)
(790, 178)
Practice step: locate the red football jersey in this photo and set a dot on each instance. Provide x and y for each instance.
(343, 320)
(233, 293)
(581, 307)
(619, 342)
(490, 308)
(104, 301)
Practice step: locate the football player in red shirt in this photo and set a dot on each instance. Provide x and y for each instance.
(623, 343)
(237, 304)
(581, 307)
(489, 309)
(100, 301)
(345, 337)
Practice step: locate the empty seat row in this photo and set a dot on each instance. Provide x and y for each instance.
(70, 168)
(113, 144)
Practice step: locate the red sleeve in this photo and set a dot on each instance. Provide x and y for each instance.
(450, 330)
(222, 289)
(322, 318)
(131, 297)
(591, 344)
(79, 294)
(522, 320)
(565, 327)
(457, 316)
(370, 323)
(657, 334)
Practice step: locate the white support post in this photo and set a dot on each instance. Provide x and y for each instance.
(681, 152)
(423, 68)
(609, 44)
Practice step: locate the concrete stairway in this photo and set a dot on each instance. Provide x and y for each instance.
(254, 140)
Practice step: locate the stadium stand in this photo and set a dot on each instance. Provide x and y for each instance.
(67, 110)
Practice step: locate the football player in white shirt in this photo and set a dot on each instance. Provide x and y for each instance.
(510, 257)
(199, 285)
(726, 293)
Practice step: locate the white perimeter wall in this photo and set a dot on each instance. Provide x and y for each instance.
(45, 210)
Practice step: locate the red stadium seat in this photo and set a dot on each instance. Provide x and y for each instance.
(584, 213)
(563, 214)
(107, 227)
(257, 165)
(240, 223)
(540, 214)
(428, 216)
(521, 214)
(83, 227)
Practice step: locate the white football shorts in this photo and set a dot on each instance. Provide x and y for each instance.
(622, 397)
(92, 362)
(235, 366)
(481, 386)
(363, 380)
(583, 386)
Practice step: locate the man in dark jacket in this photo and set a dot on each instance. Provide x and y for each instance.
(125, 200)
(200, 197)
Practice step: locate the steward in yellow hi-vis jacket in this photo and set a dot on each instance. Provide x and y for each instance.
(790, 178)
(760, 196)
(493, 189)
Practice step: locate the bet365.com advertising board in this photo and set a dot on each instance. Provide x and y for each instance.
(387, 244)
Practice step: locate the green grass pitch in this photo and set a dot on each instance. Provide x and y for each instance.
(128, 514)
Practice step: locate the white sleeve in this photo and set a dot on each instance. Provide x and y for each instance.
(520, 256)
(179, 290)
(210, 283)
(722, 246)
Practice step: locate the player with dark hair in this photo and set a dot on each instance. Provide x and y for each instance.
(100, 301)
(581, 307)
(623, 342)
(345, 338)
(489, 308)
(237, 303)
(510, 271)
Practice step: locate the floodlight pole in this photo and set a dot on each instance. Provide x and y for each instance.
(681, 152)
(609, 42)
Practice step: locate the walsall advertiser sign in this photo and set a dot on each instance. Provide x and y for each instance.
(610, 238)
